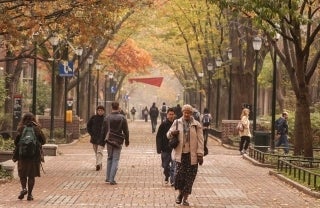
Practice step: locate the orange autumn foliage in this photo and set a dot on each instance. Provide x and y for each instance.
(128, 58)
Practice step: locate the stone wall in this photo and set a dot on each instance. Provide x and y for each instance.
(228, 128)
(73, 128)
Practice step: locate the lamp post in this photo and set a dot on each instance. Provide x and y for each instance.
(210, 68)
(79, 54)
(218, 64)
(98, 67)
(229, 52)
(200, 94)
(54, 40)
(256, 46)
(274, 88)
(34, 80)
(110, 75)
(90, 61)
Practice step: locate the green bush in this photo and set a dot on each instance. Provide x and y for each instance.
(6, 144)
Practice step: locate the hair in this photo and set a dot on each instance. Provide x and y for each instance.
(100, 107)
(170, 110)
(27, 120)
(205, 110)
(163, 103)
(187, 107)
(243, 112)
(115, 105)
(284, 113)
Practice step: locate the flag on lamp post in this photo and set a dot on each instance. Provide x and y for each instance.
(156, 81)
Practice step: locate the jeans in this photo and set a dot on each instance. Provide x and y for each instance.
(283, 140)
(153, 124)
(168, 166)
(112, 162)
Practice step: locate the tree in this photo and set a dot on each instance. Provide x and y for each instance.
(296, 22)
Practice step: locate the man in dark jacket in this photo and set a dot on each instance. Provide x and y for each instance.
(94, 126)
(163, 148)
(154, 113)
(117, 124)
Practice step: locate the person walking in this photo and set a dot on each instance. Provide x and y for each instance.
(116, 123)
(245, 134)
(188, 154)
(282, 130)
(178, 111)
(162, 144)
(133, 113)
(206, 119)
(163, 112)
(28, 166)
(154, 113)
(94, 127)
(145, 113)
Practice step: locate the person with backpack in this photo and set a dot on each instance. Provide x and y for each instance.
(206, 119)
(196, 113)
(28, 153)
(281, 125)
(94, 127)
(154, 113)
(244, 134)
(163, 112)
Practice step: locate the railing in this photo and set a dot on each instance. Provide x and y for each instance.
(299, 173)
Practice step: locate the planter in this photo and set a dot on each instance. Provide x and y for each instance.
(5, 155)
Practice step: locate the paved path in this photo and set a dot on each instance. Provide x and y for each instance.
(225, 180)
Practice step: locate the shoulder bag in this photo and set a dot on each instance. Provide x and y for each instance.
(113, 138)
(173, 143)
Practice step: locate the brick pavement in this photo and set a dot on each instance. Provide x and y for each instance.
(225, 180)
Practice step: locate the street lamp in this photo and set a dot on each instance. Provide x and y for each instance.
(229, 52)
(257, 42)
(54, 40)
(34, 80)
(218, 64)
(98, 67)
(79, 51)
(200, 94)
(90, 61)
(110, 75)
(274, 86)
(210, 68)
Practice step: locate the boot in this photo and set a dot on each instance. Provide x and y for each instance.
(185, 200)
(22, 193)
(179, 198)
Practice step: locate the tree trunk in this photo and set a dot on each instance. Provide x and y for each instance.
(302, 126)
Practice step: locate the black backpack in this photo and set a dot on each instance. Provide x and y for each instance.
(206, 120)
(28, 143)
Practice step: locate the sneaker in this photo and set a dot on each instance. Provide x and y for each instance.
(22, 193)
(185, 202)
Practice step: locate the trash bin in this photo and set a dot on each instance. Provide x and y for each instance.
(262, 140)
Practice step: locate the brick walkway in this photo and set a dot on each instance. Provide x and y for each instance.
(225, 180)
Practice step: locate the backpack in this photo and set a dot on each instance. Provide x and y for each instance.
(206, 120)
(279, 125)
(153, 112)
(28, 143)
(164, 109)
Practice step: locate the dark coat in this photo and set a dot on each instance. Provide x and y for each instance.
(94, 128)
(118, 125)
(29, 167)
(161, 138)
(154, 112)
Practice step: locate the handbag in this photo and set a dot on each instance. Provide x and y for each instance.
(240, 126)
(113, 138)
(173, 143)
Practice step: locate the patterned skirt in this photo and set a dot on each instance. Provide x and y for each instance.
(186, 174)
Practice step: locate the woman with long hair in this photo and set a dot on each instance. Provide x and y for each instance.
(28, 167)
(245, 134)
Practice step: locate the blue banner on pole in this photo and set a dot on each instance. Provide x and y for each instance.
(66, 69)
